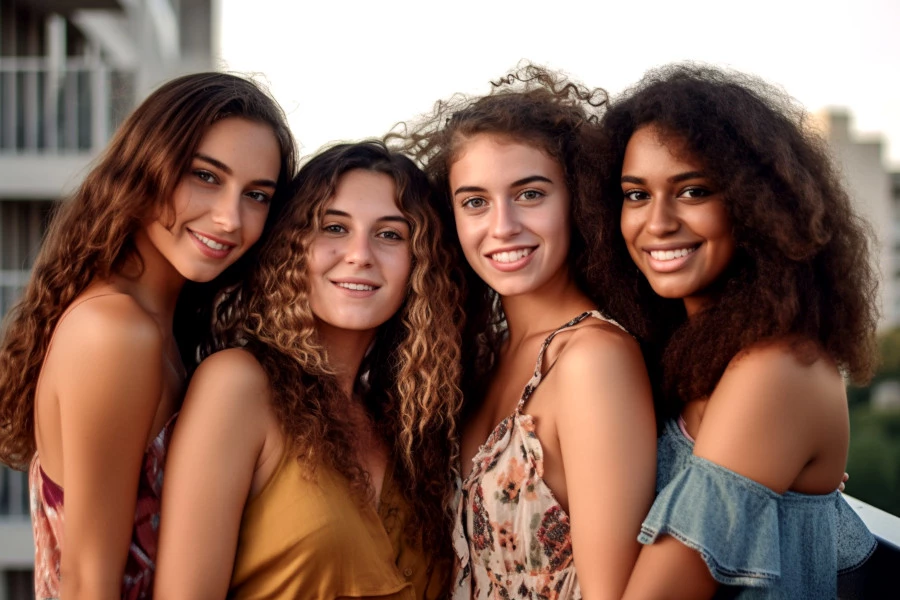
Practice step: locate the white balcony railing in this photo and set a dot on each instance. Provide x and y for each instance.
(51, 107)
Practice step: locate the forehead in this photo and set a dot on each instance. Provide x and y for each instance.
(363, 192)
(654, 146)
(492, 155)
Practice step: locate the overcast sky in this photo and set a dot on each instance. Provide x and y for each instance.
(351, 69)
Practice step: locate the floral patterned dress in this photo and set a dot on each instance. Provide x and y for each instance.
(511, 535)
(47, 519)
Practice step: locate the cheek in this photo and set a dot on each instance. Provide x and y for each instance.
(317, 262)
(628, 225)
(466, 230)
(553, 224)
(397, 270)
(400, 266)
(715, 225)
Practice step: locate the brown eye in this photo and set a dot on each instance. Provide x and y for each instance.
(635, 195)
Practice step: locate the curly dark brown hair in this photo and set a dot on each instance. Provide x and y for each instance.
(91, 235)
(532, 105)
(802, 268)
(409, 379)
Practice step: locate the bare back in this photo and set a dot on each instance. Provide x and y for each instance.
(60, 372)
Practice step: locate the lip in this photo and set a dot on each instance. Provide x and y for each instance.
(508, 267)
(355, 293)
(671, 265)
(211, 252)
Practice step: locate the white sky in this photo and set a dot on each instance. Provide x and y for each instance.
(351, 69)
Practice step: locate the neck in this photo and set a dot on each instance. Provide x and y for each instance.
(154, 282)
(544, 309)
(346, 350)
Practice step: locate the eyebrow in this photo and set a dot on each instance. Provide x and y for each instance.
(516, 183)
(674, 179)
(222, 166)
(392, 218)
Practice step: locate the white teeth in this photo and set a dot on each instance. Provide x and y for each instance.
(359, 287)
(670, 254)
(508, 257)
(210, 243)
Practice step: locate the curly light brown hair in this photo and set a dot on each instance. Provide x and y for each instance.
(91, 236)
(802, 269)
(532, 105)
(409, 379)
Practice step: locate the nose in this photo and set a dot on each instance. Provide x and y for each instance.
(504, 220)
(226, 211)
(359, 250)
(662, 219)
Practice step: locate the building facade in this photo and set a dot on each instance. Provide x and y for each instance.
(70, 70)
(875, 193)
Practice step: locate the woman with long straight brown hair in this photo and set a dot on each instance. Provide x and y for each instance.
(90, 368)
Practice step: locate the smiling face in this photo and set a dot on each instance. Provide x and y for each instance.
(673, 218)
(511, 207)
(221, 204)
(360, 260)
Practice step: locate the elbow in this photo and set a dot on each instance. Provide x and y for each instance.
(80, 583)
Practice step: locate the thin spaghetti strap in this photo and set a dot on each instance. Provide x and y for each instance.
(538, 374)
(602, 317)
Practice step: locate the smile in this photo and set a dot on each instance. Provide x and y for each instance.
(511, 256)
(211, 244)
(357, 287)
(666, 255)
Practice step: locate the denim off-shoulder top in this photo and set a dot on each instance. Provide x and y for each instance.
(767, 544)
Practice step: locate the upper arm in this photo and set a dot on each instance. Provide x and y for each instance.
(757, 423)
(109, 383)
(215, 447)
(607, 436)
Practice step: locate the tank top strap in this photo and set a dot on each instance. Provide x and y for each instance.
(538, 374)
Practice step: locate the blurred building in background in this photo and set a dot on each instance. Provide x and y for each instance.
(70, 70)
(876, 194)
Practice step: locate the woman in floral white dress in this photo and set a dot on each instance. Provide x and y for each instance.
(559, 439)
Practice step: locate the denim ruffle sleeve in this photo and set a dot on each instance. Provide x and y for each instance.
(709, 508)
(855, 543)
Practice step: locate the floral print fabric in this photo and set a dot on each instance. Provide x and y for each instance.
(511, 535)
(47, 519)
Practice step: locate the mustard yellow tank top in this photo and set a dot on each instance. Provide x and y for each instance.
(312, 538)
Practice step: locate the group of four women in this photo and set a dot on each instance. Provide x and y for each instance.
(538, 345)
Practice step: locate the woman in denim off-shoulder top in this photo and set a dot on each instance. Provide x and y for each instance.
(558, 438)
(754, 274)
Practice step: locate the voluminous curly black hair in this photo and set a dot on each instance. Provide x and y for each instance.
(802, 269)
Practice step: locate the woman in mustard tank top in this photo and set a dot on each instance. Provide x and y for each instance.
(313, 458)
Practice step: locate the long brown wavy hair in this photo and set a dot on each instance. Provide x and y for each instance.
(409, 377)
(532, 105)
(91, 236)
(802, 269)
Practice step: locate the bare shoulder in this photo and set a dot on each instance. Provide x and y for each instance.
(106, 348)
(775, 372)
(598, 345)
(601, 367)
(229, 380)
(227, 416)
(115, 322)
(778, 408)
